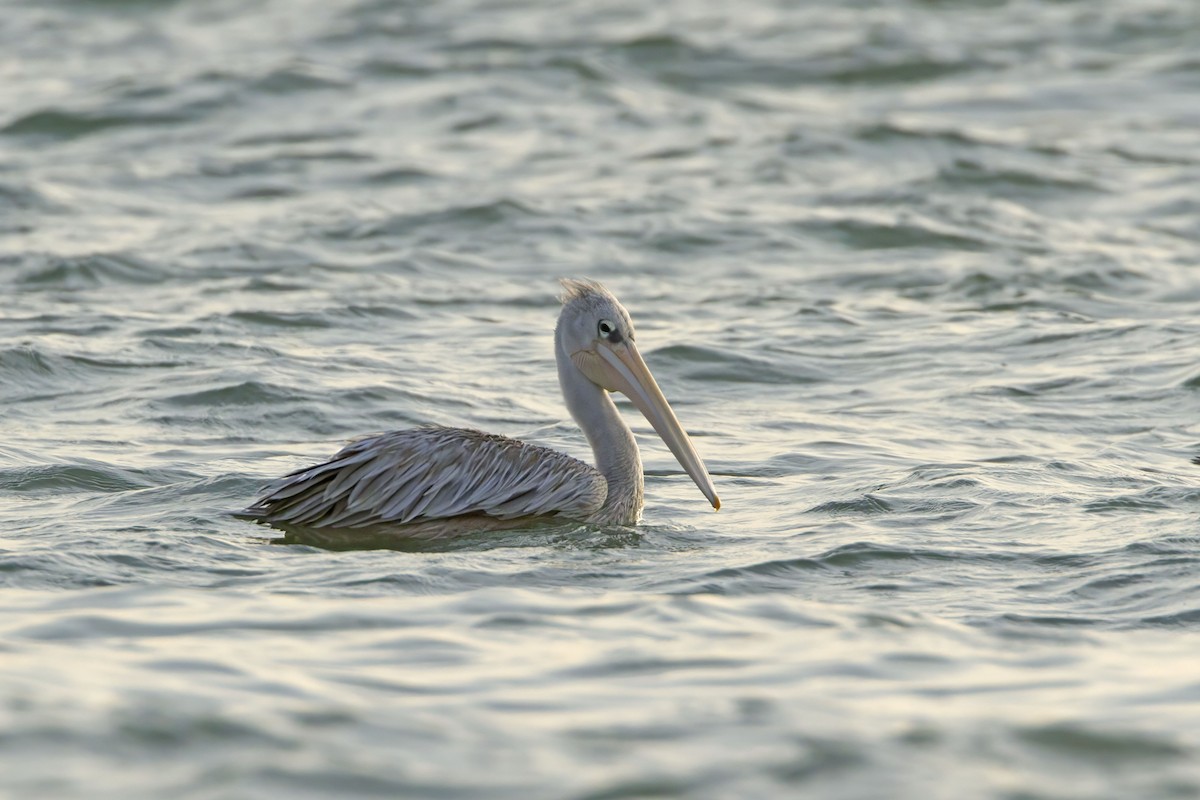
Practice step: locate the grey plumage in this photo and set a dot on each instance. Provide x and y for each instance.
(433, 473)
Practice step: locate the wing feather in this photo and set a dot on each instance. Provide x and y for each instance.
(424, 474)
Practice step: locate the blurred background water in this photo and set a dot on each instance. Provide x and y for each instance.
(920, 277)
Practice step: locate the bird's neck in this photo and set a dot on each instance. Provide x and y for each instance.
(612, 441)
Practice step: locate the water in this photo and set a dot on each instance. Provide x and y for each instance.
(921, 278)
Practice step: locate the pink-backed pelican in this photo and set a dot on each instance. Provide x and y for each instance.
(435, 481)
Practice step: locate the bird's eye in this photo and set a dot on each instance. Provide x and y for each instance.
(605, 328)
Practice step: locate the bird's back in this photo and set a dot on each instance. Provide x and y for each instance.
(420, 475)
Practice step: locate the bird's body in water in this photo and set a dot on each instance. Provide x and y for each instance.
(434, 481)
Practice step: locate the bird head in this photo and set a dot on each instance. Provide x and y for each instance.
(596, 333)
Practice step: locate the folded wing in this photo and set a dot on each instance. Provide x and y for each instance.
(423, 474)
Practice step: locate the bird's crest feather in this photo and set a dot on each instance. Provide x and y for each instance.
(576, 288)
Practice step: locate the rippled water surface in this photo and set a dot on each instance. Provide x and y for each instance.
(920, 277)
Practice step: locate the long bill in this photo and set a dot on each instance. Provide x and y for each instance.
(630, 376)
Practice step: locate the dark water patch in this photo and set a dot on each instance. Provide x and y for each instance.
(170, 485)
(126, 624)
(1051, 561)
(1036, 389)
(246, 393)
(1110, 583)
(243, 171)
(625, 667)
(28, 373)
(1081, 331)
(85, 325)
(910, 512)
(11, 225)
(972, 173)
(101, 365)
(1074, 741)
(1017, 304)
(377, 395)
(51, 570)
(160, 730)
(270, 284)
(977, 285)
(1180, 619)
(868, 504)
(1152, 500)
(683, 241)
(564, 536)
(1127, 153)
(142, 726)
(374, 312)
(637, 789)
(682, 63)
(314, 320)
(825, 313)
(890, 130)
(477, 122)
(15, 197)
(19, 364)
(1014, 458)
(620, 734)
(289, 156)
(232, 423)
(262, 193)
(762, 579)
(61, 124)
(1051, 621)
(1167, 546)
(660, 48)
(875, 71)
(401, 176)
(725, 366)
(674, 61)
(778, 466)
(864, 234)
(396, 67)
(1115, 279)
(817, 758)
(785, 568)
(192, 349)
(211, 262)
(297, 77)
(460, 298)
(351, 780)
(862, 554)
(668, 153)
(87, 272)
(292, 137)
(68, 478)
(1059, 289)
(137, 6)
(485, 214)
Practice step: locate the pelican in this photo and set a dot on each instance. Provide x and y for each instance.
(434, 481)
